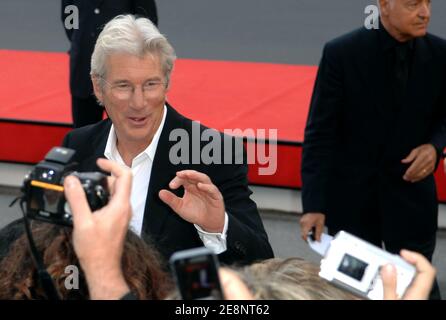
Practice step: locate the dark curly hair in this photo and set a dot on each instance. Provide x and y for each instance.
(142, 265)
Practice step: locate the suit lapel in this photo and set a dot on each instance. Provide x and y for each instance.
(414, 98)
(420, 68)
(163, 171)
(377, 85)
(97, 147)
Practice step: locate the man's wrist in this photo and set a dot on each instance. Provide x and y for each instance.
(106, 284)
(222, 230)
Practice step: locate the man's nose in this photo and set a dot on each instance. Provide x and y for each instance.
(138, 101)
(425, 10)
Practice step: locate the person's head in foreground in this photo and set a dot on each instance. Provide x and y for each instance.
(289, 279)
(141, 266)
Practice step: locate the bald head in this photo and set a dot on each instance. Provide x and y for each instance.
(405, 19)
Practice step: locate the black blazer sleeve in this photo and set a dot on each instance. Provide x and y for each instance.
(320, 132)
(146, 8)
(247, 240)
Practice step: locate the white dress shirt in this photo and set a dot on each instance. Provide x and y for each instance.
(142, 169)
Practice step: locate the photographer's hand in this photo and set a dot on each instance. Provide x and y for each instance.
(422, 283)
(98, 238)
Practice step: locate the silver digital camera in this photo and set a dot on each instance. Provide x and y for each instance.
(355, 264)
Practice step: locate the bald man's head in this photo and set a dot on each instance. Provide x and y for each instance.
(405, 19)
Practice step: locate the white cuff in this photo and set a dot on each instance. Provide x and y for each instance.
(214, 241)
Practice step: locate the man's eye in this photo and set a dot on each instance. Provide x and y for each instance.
(151, 85)
(123, 86)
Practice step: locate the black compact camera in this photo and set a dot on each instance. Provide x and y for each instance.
(44, 192)
(196, 274)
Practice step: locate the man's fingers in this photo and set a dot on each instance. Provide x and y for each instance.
(423, 165)
(171, 200)
(122, 189)
(111, 184)
(415, 171)
(422, 284)
(305, 227)
(411, 157)
(389, 279)
(417, 259)
(233, 287)
(415, 167)
(319, 230)
(77, 200)
(211, 191)
(110, 166)
(178, 182)
(194, 176)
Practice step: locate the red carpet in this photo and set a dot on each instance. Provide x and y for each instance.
(35, 105)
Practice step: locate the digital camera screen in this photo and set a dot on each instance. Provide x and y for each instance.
(47, 200)
(198, 278)
(352, 267)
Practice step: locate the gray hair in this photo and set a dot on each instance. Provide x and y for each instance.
(285, 279)
(135, 36)
(289, 279)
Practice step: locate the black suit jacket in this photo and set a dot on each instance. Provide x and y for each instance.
(354, 142)
(91, 23)
(246, 238)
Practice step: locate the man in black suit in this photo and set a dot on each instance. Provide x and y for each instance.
(375, 132)
(131, 68)
(93, 15)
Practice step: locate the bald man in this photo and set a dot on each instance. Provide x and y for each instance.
(375, 133)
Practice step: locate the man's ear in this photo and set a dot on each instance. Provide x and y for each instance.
(97, 88)
(384, 7)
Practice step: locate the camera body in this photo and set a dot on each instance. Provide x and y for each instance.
(355, 264)
(196, 274)
(44, 193)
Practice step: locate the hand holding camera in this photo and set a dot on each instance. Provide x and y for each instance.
(101, 258)
(53, 192)
(373, 273)
(199, 277)
(421, 285)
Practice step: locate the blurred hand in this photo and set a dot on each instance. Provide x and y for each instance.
(310, 220)
(202, 203)
(98, 238)
(233, 287)
(421, 285)
(423, 160)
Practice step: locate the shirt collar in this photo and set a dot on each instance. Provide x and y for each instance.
(111, 151)
(388, 42)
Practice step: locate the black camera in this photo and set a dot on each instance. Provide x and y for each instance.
(196, 274)
(44, 192)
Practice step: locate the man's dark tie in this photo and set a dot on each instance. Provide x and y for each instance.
(402, 61)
